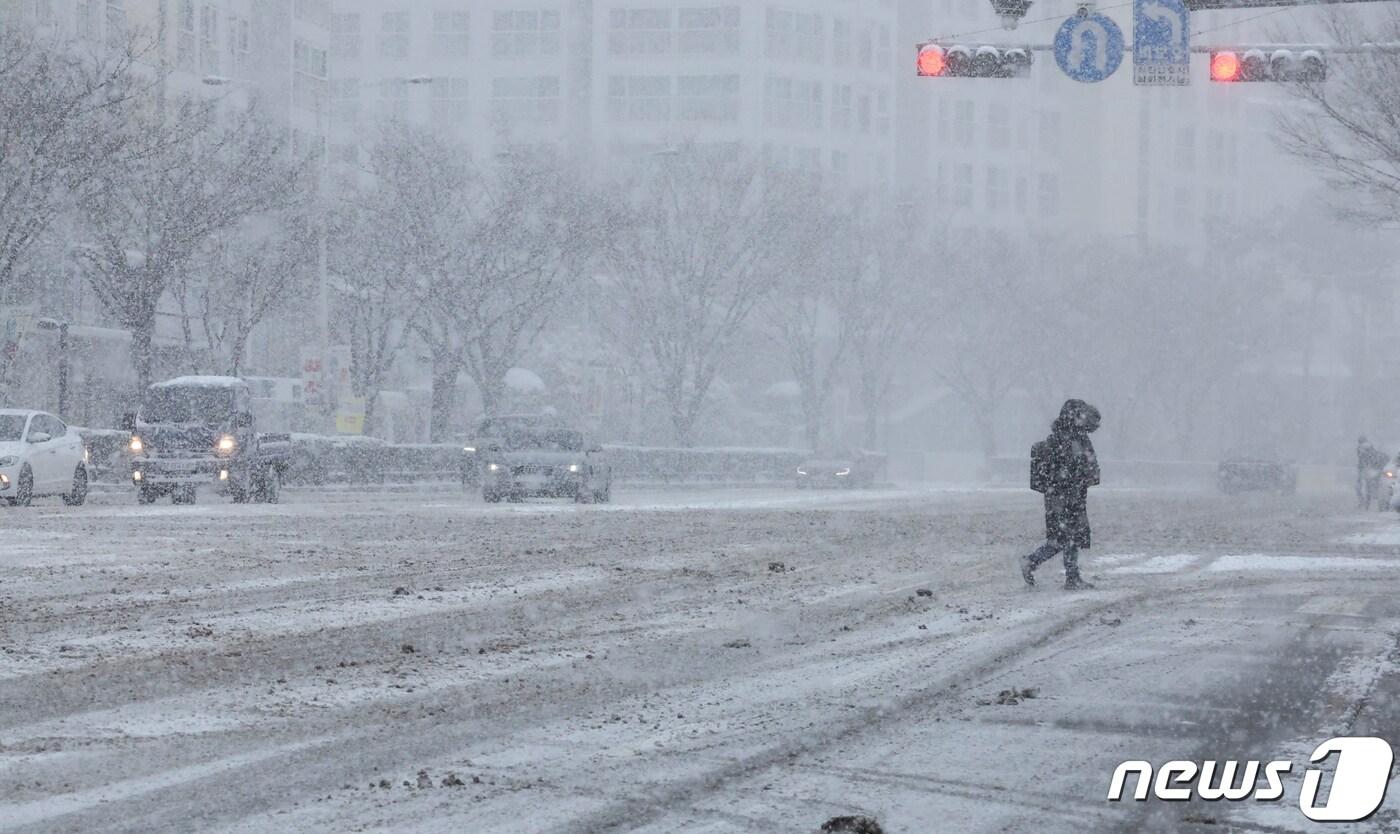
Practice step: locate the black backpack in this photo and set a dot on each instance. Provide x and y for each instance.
(1040, 466)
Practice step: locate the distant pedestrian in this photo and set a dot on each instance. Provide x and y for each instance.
(1370, 465)
(1063, 467)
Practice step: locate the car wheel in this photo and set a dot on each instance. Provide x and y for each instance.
(491, 497)
(146, 495)
(604, 495)
(24, 490)
(78, 496)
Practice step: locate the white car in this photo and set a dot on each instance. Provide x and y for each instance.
(40, 456)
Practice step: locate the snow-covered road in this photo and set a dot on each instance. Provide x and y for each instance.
(680, 661)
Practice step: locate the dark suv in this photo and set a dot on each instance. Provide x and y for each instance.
(525, 457)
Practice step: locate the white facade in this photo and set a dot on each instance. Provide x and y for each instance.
(235, 48)
(809, 82)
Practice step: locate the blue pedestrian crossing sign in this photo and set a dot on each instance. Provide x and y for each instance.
(1089, 47)
(1161, 43)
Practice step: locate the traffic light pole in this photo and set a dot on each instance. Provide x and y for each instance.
(1358, 49)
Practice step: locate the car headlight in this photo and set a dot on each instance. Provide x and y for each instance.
(575, 467)
(1388, 474)
(469, 449)
(227, 443)
(802, 471)
(493, 467)
(9, 461)
(843, 473)
(137, 447)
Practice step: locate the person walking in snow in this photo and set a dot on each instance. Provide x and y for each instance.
(1063, 467)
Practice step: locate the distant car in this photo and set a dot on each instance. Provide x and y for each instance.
(842, 468)
(40, 456)
(1390, 485)
(522, 459)
(1248, 474)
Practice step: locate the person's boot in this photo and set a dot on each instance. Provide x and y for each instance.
(1028, 570)
(1077, 583)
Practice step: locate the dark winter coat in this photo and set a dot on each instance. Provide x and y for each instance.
(1070, 467)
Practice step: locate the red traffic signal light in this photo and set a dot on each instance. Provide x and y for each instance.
(932, 60)
(968, 61)
(1224, 66)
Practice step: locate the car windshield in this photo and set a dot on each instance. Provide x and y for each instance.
(187, 405)
(11, 427)
(551, 440)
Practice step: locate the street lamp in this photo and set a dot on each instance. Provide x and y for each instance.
(62, 328)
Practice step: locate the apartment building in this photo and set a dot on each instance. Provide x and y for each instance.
(811, 83)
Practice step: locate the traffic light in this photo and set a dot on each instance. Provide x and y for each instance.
(967, 61)
(1260, 64)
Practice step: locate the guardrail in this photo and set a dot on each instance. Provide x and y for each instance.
(318, 460)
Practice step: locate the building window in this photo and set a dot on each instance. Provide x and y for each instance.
(451, 33)
(640, 32)
(451, 108)
(998, 189)
(531, 100)
(708, 31)
(707, 98)
(882, 113)
(1050, 133)
(88, 20)
(865, 47)
(1183, 205)
(393, 102)
(394, 35)
(209, 40)
(884, 57)
(964, 125)
(1049, 200)
(793, 104)
(239, 43)
(345, 101)
(998, 126)
(309, 60)
(185, 36)
(795, 35)
(962, 186)
(1186, 148)
(639, 98)
(840, 42)
(524, 33)
(116, 23)
(842, 108)
(345, 37)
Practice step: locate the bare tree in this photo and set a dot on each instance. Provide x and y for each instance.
(1350, 126)
(532, 233)
(981, 351)
(688, 257)
(489, 248)
(60, 127)
(368, 262)
(188, 179)
(818, 281)
(896, 249)
(248, 275)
